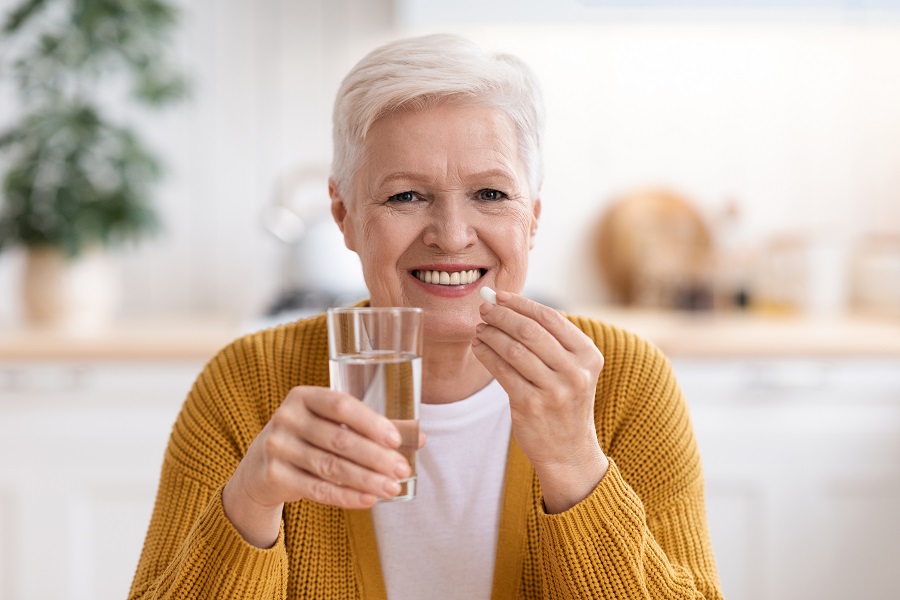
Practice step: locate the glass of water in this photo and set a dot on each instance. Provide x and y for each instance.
(375, 354)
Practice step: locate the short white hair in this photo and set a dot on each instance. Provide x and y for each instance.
(419, 72)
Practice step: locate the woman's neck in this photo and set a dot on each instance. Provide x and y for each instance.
(450, 372)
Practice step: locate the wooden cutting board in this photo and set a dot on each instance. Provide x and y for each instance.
(651, 245)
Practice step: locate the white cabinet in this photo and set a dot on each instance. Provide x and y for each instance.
(81, 447)
(802, 465)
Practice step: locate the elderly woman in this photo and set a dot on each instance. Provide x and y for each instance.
(560, 460)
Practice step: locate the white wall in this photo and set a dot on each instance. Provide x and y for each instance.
(794, 118)
(797, 122)
(264, 76)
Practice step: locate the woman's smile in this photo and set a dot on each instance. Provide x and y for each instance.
(449, 281)
(452, 277)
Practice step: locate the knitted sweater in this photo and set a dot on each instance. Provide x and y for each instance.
(640, 534)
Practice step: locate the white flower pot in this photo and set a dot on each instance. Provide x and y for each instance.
(78, 295)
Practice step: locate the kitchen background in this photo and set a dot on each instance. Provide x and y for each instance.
(789, 113)
(774, 125)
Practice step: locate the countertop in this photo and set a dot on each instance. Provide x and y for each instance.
(735, 335)
(677, 334)
(175, 338)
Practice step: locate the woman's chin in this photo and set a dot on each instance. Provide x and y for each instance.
(442, 327)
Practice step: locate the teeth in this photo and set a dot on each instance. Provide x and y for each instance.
(448, 278)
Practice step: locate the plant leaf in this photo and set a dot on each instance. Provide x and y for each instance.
(18, 16)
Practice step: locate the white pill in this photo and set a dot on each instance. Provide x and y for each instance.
(488, 295)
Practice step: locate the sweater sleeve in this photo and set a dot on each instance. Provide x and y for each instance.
(191, 549)
(642, 532)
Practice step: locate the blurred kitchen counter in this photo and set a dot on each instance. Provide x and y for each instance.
(735, 335)
(678, 334)
(170, 338)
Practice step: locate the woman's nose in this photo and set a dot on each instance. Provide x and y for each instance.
(451, 228)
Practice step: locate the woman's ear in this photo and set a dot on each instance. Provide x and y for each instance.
(536, 215)
(340, 214)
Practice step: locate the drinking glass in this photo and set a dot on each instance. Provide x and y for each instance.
(375, 354)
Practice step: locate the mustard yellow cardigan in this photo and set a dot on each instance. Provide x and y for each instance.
(640, 534)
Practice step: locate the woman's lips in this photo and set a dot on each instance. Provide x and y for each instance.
(448, 278)
(449, 283)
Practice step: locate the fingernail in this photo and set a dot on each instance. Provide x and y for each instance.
(484, 308)
(391, 488)
(475, 341)
(393, 438)
(480, 327)
(401, 469)
(503, 296)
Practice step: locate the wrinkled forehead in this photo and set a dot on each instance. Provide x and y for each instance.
(443, 141)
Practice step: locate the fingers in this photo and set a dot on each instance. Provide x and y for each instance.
(506, 351)
(509, 377)
(549, 320)
(533, 341)
(349, 429)
(529, 336)
(336, 453)
(347, 410)
(326, 492)
(343, 472)
(325, 446)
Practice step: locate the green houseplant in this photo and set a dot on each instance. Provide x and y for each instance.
(76, 180)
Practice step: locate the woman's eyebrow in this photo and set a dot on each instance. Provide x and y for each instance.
(420, 177)
(412, 176)
(493, 173)
(404, 175)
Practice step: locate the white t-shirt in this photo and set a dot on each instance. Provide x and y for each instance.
(442, 544)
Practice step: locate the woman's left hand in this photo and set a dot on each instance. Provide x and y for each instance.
(549, 369)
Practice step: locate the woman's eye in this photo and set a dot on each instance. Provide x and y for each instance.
(402, 197)
(491, 195)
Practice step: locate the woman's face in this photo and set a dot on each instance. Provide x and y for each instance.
(439, 208)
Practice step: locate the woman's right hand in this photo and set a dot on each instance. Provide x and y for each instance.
(321, 445)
